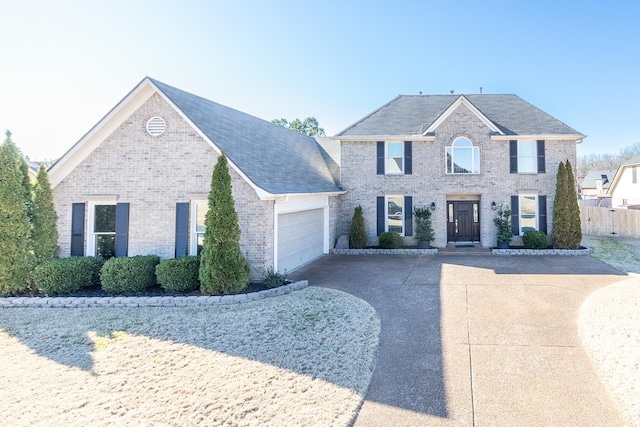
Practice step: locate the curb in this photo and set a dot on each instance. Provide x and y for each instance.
(152, 301)
(561, 252)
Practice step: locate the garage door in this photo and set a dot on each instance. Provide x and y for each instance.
(300, 238)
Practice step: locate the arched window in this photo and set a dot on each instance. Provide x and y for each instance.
(463, 157)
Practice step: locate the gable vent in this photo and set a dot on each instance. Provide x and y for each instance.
(156, 126)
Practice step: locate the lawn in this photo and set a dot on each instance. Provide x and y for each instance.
(304, 358)
(608, 324)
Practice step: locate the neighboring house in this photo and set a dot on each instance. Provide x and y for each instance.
(625, 188)
(34, 165)
(596, 184)
(462, 155)
(138, 181)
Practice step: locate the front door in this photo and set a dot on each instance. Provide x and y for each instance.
(463, 221)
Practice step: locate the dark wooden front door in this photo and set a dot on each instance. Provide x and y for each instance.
(463, 221)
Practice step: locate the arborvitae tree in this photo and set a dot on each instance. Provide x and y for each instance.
(16, 257)
(44, 219)
(27, 187)
(222, 265)
(358, 233)
(574, 228)
(559, 223)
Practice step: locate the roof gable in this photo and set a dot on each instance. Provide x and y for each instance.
(417, 115)
(272, 159)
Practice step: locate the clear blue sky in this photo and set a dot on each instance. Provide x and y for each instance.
(65, 64)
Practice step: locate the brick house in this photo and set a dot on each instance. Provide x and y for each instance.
(137, 182)
(461, 155)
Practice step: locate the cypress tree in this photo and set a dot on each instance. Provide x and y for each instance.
(44, 219)
(16, 257)
(559, 223)
(574, 228)
(357, 233)
(223, 268)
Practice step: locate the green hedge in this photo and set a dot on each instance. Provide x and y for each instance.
(390, 240)
(67, 275)
(129, 275)
(534, 240)
(179, 274)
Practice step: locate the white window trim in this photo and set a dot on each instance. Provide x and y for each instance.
(91, 236)
(386, 158)
(474, 148)
(537, 224)
(386, 211)
(193, 237)
(535, 157)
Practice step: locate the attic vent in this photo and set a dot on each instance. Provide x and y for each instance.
(156, 126)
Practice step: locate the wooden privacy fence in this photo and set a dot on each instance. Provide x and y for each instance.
(604, 221)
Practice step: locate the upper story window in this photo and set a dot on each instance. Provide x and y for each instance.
(395, 158)
(527, 157)
(634, 175)
(463, 157)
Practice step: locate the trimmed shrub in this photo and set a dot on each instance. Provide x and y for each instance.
(424, 228)
(534, 239)
(390, 240)
(65, 275)
(94, 264)
(129, 275)
(357, 233)
(273, 279)
(179, 274)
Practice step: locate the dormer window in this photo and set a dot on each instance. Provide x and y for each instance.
(463, 157)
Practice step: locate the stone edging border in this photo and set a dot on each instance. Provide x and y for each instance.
(432, 251)
(153, 301)
(562, 252)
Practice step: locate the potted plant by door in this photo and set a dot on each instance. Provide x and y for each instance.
(503, 226)
(424, 229)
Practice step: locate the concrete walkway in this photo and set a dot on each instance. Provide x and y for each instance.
(476, 340)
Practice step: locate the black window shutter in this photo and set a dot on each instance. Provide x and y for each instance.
(542, 213)
(408, 166)
(541, 161)
(515, 218)
(122, 229)
(380, 157)
(513, 156)
(380, 214)
(408, 216)
(182, 229)
(77, 229)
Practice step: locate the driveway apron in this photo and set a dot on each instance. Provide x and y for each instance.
(476, 340)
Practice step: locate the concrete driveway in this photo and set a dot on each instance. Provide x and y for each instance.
(476, 340)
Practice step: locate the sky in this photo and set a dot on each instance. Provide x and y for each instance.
(65, 64)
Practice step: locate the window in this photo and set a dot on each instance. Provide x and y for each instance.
(528, 212)
(395, 158)
(634, 175)
(463, 157)
(199, 210)
(395, 214)
(102, 229)
(527, 157)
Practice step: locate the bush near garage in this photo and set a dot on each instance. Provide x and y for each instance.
(390, 240)
(534, 240)
(179, 275)
(67, 275)
(273, 279)
(129, 275)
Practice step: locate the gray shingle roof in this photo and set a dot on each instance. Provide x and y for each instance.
(274, 158)
(413, 114)
(589, 180)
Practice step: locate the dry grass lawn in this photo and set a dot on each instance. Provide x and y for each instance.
(304, 358)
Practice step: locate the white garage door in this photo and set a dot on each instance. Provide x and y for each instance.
(300, 238)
